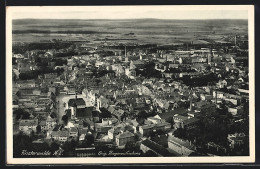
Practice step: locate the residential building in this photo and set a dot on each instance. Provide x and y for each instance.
(123, 138)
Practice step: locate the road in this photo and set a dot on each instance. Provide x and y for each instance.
(60, 107)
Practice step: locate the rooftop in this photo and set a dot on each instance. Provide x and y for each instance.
(125, 135)
(156, 147)
(181, 142)
(78, 101)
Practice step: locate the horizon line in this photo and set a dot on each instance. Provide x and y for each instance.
(127, 19)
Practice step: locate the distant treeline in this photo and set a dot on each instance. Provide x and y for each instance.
(40, 46)
(122, 47)
(60, 32)
(200, 81)
(35, 73)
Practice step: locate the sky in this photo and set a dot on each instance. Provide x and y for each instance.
(130, 12)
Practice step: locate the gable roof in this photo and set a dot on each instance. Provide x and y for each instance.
(156, 148)
(184, 143)
(190, 120)
(78, 101)
(170, 114)
(125, 135)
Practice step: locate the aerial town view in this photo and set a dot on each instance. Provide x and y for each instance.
(143, 87)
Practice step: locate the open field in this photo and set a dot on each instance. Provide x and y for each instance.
(137, 30)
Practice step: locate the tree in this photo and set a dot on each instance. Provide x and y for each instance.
(180, 132)
(89, 139)
(65, 119)
(38, 129)
(21, 114)
(69, 147)
(54, 146)
(21, 142)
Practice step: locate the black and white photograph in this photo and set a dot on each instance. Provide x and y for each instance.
(130, 84)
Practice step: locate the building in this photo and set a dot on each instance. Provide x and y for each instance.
(160, 151)
(145, 130)
(164, 126)
(79, 101)
(50, 122)
(43, 125)
(180, 147)
(61, 135)
(73, 132)
(236, 140)
(131, 73)
(123, 138)
(112, 133)
(28, 125)
(185, 122)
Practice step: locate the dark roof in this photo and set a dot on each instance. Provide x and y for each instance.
(191, 120)
(126, 134)
(74, 104)
(171, 113)
(184, 143)
(78, 101)
(156, 148)
(95, 113)
(84, 112)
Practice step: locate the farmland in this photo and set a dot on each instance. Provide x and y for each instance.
(137, 30)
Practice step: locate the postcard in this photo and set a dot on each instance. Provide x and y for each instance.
(130, 84)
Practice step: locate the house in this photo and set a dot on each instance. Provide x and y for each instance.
(26, 84)
(219, 94)
(164, 126)
(52, 89)
(82, 137)
(28, 125)
(109, 121)
(186, 122)
(131, 73)
(168, 115)
(180, 147)
(50, 75)
(154, 120)
(112, 133)
(132, 123)
(222, 84)
(236, 140)
(206, 97)
(123, 138)
(73, 132)
(118, 114)
(157, 149)
(23, 66)
(43, 125)
(235, 110)
(61, 135)
(50, 122)
(145, 130)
